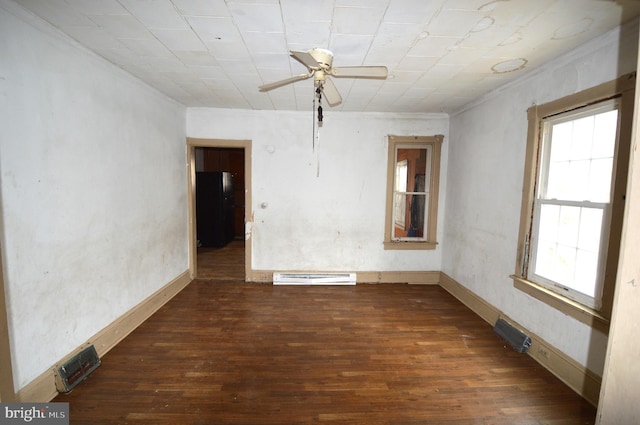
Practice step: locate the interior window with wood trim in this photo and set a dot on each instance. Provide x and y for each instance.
(573, 200)
(413, 179)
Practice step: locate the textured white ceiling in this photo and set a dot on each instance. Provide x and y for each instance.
(441, 54)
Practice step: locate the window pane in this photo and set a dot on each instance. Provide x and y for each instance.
(401, 176)
(546, 253)
(568, 245)
(411, 223)
(568, 180)
(400, 211)
(559, 183)
(604, 134)
(417, 206)
(578, 181)
(546, 250)
(582, 138)
(561, 136)
(590, 229)
(586, 272)
(565, 265)
(569, 223)
(555, 262)
(549, 223)
(600, 180)
(580, 158)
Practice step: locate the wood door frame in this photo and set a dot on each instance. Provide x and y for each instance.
(192, 144)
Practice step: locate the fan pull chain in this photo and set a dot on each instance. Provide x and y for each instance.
(319, 94)
(319, 109)
(313, 136)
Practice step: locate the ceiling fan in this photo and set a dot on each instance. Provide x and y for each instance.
(318, 62)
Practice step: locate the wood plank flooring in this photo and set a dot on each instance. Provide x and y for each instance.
(226, 352)
(226, 263)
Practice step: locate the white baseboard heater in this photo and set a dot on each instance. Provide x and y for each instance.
(314, 278)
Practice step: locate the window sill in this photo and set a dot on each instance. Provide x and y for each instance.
(409, 245)
(578, 311)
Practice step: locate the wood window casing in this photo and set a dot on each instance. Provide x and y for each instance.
(428, 242)
(623, 89)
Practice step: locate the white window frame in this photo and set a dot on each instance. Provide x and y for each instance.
(400, 191)
(594, 302)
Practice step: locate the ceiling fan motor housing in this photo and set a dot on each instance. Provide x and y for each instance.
(324, 57)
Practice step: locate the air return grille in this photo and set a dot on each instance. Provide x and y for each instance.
(519, 341)
(314, 278)
(76, 369)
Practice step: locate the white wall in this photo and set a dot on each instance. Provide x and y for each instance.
(486, 163)
(93, 186)
(325, 209)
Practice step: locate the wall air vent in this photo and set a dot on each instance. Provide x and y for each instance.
(314, 278)
(76, 369)
(519, 341)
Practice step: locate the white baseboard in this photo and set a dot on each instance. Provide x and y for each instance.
(574, 375)
(43, 388)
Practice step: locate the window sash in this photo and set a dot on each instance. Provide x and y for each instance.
(400, 207)
(569, 288)
(542, 190)
(567, 285)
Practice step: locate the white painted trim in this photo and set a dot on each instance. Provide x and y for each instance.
(580, 379)
(43, 388)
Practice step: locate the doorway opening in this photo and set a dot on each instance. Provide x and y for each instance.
(219, 182)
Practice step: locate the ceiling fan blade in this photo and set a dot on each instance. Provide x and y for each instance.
(360, 72)
(305, 58)
(271, 86)
(331, 93)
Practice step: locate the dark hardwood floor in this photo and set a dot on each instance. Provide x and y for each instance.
(226, 352)
(226, 263)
